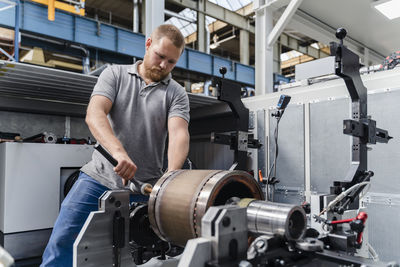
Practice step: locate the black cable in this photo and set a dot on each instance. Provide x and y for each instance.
(272, 180)
(273, 166)
(276, 144)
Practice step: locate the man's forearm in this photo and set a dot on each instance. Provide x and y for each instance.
(101, 130)
(178, 149)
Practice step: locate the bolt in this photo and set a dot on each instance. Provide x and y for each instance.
(260, 244)
(226, 221)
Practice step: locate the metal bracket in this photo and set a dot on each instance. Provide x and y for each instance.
(226, 227)
(361, 127)
(94, 244)
(366, 130)
(238, 141)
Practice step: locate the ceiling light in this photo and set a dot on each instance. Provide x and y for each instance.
(389, 8)
(217, 43)
(214, 45)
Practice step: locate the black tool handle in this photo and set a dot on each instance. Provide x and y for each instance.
(140, 187)
(107, 155)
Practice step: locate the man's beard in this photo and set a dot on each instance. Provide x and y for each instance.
(155, 74)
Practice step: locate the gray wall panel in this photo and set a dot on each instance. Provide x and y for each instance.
(30, 124)
(329, 147)
(384, 208)
(384, 159)
(383, 230)
(288, 196)
(206, 155)
(79, 128)
(290, 163)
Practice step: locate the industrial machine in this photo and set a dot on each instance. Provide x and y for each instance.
(177, 209)
(220, 217)
(33, 177)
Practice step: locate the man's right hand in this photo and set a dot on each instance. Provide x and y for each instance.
(126, 168)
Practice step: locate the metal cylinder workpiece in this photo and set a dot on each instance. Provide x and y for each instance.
(271, 218)
(180, 199)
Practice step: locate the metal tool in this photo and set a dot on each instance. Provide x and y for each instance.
(136, 186)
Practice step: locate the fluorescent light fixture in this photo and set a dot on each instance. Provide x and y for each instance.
(389, 8)
(217, 43)
(214, 45)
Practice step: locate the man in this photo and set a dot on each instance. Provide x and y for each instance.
(131, 110)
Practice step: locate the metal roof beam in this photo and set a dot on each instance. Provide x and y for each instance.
(295, 44)
(283, 21)
(313, 28)
(219, 13)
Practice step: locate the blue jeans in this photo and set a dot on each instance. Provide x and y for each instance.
(82, 199)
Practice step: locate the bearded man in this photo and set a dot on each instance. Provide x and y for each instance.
(130, 113)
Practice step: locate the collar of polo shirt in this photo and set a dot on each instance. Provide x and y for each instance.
(133, 70)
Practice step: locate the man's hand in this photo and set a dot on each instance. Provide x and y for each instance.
(126, 168)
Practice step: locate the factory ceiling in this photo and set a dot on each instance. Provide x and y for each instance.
(362, 21)
(364, 24)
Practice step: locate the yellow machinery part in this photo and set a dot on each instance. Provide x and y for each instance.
(52, 5)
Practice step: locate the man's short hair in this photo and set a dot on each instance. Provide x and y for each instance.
(171, 32)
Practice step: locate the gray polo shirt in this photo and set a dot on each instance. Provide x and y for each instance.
(138, 117)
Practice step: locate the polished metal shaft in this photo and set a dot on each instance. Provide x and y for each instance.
(271, 218)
